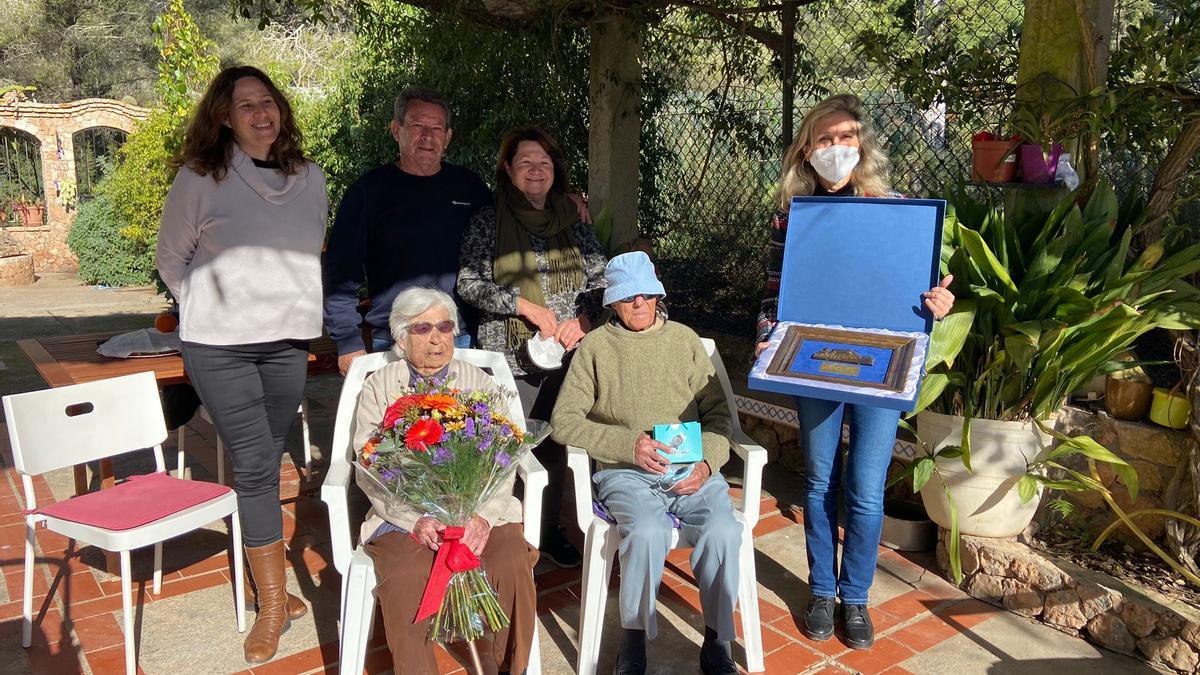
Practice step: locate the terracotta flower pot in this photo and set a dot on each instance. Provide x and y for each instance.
(1038, 166)
(993, 161)
(1127, 399)
(31, 215)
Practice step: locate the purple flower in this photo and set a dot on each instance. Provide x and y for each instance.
(505, 430)
(389, 475)
(441, 456)
(503, 459)
(479, 408)
(469, 428)
(485, 441)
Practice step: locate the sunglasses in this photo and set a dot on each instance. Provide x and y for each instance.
(644, 296)
(424, 327)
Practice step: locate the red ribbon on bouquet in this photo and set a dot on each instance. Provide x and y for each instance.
(452, 556)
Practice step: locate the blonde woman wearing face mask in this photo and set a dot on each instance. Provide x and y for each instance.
(837, 154)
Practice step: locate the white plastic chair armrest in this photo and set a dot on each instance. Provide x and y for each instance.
(581, 474)
(754, 457)
(536, 478)
(333, 493)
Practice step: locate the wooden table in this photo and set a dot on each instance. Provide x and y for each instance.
(73, 359)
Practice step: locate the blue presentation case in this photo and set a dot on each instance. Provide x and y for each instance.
(858, 263)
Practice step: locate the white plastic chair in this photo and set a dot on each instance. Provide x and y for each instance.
(202, 413)
(353, 563)
(601, 540)
(56, 428)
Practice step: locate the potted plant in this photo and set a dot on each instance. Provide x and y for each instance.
(993, 159)
(1127, 389)
(30, 211)
(1055, 115)
(1044, 304)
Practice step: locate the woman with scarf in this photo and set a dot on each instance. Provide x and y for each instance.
(533, 267)
(836, 153)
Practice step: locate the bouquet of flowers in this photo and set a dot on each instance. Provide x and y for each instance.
(445, 452)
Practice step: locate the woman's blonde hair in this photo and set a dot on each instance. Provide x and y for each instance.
(870, 177)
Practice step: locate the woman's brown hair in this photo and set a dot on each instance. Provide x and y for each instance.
(206, 143)
(508, 149)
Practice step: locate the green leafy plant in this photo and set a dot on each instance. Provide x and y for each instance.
(1046, 303)
(105, 256)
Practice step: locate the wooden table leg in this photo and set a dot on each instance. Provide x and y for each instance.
(81, 482)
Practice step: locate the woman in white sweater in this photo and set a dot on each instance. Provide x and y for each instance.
(239, 248)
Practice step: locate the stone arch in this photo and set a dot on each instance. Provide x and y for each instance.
(54, 125)
(20, 166)
(91, 147)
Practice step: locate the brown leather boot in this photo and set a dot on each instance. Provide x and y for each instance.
(267, 566)
(295, 606)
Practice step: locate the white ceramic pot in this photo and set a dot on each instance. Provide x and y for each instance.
(986, 498)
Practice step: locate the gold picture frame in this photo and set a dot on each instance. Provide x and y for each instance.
(838, 362)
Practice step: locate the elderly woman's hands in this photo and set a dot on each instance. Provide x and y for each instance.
(570, 332)
(539, 316)
(477, 531)
(428, 532)
(646, 455)
(939, 299)
(701, 472)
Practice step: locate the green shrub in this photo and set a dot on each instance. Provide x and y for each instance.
(105, 255)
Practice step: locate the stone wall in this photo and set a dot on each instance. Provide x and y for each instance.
(1080, 602)
(1157, 454)
(54, 125)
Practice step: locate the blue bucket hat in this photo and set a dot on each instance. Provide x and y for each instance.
(630, 274)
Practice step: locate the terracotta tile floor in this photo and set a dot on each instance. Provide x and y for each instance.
(71, 582)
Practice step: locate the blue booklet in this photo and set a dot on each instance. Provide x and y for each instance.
(683, 439)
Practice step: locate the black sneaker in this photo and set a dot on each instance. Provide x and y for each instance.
(559, 551)
(860, 634)
(818, 618)
(715, 657)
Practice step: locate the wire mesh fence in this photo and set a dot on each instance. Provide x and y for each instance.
(714, 192)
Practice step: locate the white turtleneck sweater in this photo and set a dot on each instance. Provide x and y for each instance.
(242, 256)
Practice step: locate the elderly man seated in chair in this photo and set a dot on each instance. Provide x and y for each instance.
(640, 370)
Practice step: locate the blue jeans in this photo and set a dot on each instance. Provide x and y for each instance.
(382, 343)
(872, 435)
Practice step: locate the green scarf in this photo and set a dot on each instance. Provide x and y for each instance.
(516, 263)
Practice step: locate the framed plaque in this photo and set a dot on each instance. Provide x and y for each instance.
(843, 357)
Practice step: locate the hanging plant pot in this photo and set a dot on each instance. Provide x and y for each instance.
(1037, 165)
(986, 498)
(1127, 399)
(993, 161)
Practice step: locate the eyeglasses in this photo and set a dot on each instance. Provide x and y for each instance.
(644, 296)
(424, 327)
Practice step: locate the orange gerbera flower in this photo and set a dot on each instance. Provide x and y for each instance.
(439, 402)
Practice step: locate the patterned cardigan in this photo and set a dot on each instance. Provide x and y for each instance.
(496, 303)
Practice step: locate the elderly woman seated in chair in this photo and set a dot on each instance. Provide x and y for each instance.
(639, 370)
(401, 540)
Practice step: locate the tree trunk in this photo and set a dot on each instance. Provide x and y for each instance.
(1166, 181)
(614, 125)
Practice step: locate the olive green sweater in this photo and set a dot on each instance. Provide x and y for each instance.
(621, 383)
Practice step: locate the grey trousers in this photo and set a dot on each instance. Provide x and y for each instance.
(709, 527)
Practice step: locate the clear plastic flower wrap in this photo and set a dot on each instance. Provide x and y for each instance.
(445, 452)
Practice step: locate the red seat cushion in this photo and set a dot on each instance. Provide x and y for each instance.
(136, 502)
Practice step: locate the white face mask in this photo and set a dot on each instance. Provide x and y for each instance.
(835, 162)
